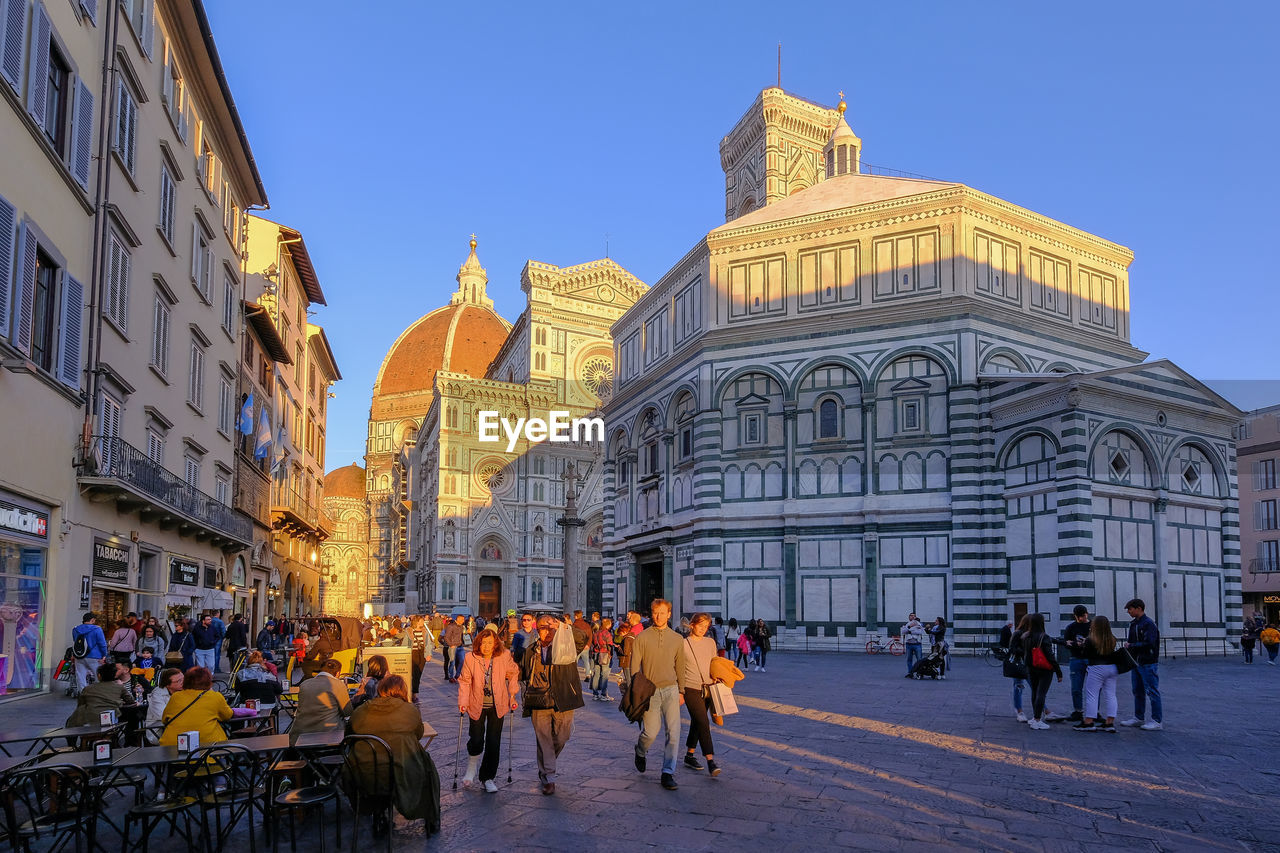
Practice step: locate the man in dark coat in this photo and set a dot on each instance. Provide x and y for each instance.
(237, 637)
(551, 726)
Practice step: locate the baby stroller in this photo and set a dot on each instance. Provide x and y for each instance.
(933, 665)
(66, 671)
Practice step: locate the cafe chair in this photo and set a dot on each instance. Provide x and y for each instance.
(53, 803)
(178, 803)
(369, 782)
(233, 781)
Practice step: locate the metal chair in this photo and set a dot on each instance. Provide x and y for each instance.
(369, 781)
(55, 802)
(232, 779)
(300, 798)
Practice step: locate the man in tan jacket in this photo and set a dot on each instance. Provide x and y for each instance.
(323, 702)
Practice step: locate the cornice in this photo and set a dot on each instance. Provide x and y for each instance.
(1069, 239)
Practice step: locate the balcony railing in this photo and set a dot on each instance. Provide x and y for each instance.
(1263, 565)
(115, 467)
(292, 511)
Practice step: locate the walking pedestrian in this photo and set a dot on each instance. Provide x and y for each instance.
(1106, 663)
(696, 678)
(1270, 638)
(451, 640)
(601, 658)
(731, 642)
(761, 642)
(206, 639)
(631, 630)
(123, 642)
(913, 639)
(181, 651)
(220, 633)
(237, 638)
(1248, 638)
(487, 688)
(1008, 637)
(1144, 646)
(89, 648)
(551, 694)
(659, 654)
(1037, 651)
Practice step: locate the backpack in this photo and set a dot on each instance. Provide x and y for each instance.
(80, 645)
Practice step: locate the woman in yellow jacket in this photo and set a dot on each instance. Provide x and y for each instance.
(1271, 642)
(197, 707)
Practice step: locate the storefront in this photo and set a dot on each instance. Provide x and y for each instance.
(184, 587)
(110, 581)
(24, 541)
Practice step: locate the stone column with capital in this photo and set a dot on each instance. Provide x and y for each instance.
(575, 573)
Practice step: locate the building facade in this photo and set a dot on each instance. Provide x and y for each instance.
(487, 531)
(866, 395)
(1259, 454)
(282, 278)
(344, 556)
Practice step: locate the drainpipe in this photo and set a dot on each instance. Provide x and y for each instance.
(102, 195)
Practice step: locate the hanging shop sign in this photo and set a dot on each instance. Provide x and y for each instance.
(22, 520)
(185, 571)
(110, 562)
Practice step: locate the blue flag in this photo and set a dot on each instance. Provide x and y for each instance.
(246, 416)
(262, 449)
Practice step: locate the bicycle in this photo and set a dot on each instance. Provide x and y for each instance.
(994, 655)
(893, 647)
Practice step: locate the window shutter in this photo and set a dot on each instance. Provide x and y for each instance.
(8, 218)
(195, 252)
(121, 121)
(1257, 476)
(1257, 515)
(15, 39)
(72, 327)
(24, 290)
(131, 139)
(109, 429)
(166, 93)
(148, 27)
(38, 73)
(122, 292)
(82, 135)
(91, 9)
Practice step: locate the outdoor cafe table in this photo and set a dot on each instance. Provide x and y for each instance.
(9, 762)
(38, 742)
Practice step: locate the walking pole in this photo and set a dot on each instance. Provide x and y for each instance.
(511, 730)
(461, 716)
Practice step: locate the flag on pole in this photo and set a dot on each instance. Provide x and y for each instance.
(246, 416)
(282, 451)
(262, 448)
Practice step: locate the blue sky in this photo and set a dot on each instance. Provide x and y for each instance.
(389, 134)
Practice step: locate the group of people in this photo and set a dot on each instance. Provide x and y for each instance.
(1256, 630)
(1096, 660)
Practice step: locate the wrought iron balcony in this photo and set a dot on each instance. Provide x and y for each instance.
(293, 513)
(1263, 565)
(113, 469)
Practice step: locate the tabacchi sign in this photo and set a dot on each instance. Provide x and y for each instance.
(558, 427)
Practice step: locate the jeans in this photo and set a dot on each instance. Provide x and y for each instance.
(664, 708)
(913, 654)
(1145, 679)
(1272, 651)
(1078, 667)
(459, 655)
(86, 671)
(1018, 686)
(600, 679)
(206, 657)
(1100, 691)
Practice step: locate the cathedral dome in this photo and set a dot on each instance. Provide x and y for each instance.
(347, 482)
(460, 337)
(463, 337)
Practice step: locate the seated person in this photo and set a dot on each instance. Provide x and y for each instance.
(145, 668)
(255, 681)
(269, 661)
(323, 702)
(169, 683)
(391, 717)
(105, 694)
(197, 707)
(374, 671)
(319, 650)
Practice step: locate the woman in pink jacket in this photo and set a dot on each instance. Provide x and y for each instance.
(487, 688)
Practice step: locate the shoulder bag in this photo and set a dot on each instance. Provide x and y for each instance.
(169, 720)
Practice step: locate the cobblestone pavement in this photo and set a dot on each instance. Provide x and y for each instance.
(840, 752)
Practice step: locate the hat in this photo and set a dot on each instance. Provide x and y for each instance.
(511, 612)
(489, 627)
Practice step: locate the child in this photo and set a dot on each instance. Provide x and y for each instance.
(144, 670)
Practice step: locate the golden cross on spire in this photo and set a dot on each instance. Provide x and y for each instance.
(473, 241)
(842, 106)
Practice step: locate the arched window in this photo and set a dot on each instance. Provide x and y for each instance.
(827, 419)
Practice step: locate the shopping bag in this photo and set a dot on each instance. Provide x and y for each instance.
(722, 701)
(563, 649)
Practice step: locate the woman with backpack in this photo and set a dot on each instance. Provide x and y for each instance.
(1037, 651)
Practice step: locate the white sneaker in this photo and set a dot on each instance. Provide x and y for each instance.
(1053, 718)
(1132, 721)
(1038, 725)
(762, 669)
(1022, 718)
(490, 786)
(1152, 726)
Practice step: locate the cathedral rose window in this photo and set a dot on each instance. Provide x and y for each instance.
(597, 375)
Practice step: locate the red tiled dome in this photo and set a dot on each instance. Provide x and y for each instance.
(345, 482)
(462, 338)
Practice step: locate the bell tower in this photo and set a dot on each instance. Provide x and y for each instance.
(774, 150)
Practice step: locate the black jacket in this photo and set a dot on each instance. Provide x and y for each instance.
(1144, 641)
(1074, 631)
(635, 701)
(237, 635)
(566, 686)
(206, 638)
